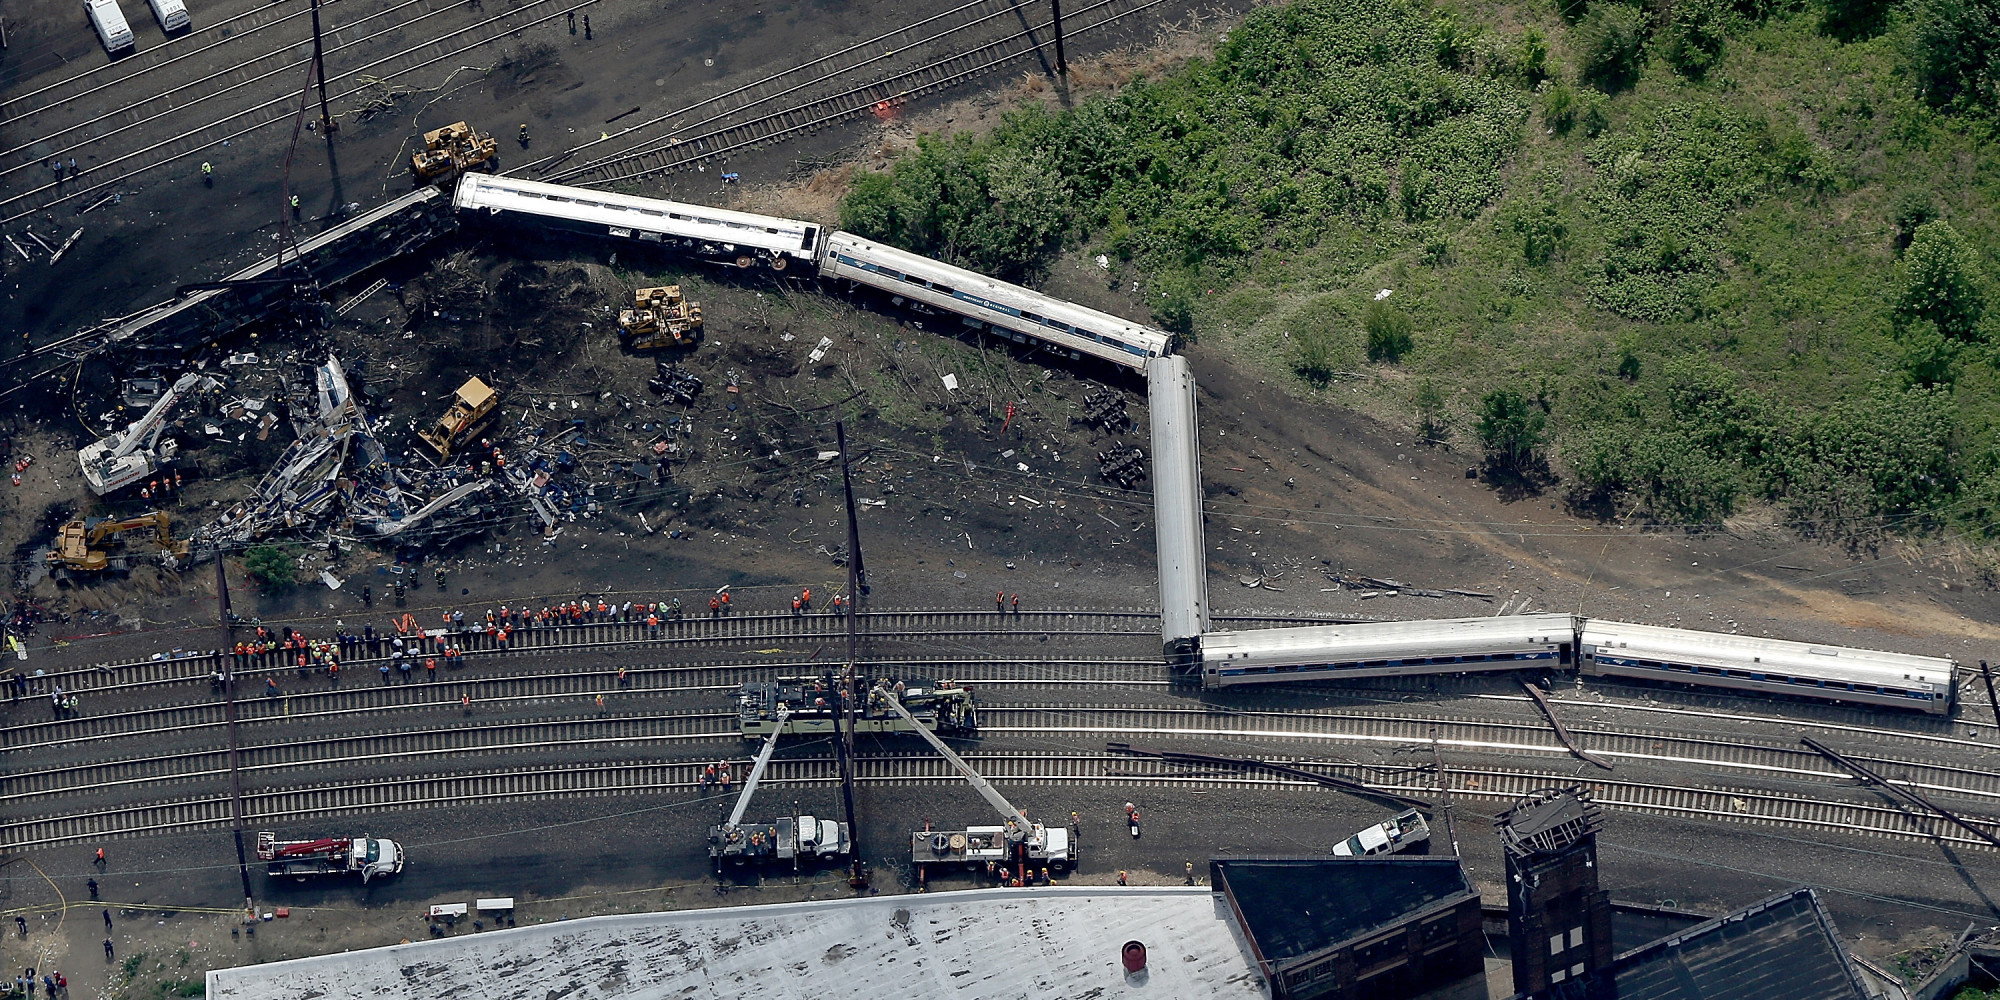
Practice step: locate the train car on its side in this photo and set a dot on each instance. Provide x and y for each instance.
(1019, 314)
(1386, 649)
(1773, 666)
(741, 238)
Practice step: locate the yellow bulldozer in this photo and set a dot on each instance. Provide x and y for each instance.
(474, 406)
(452, 150)
(659, 317)
(76, 546)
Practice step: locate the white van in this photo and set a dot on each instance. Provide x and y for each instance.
(172, 14)
(110, 24)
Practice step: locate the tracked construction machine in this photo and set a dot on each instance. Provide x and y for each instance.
(795, 839)
(76, 548)
(659, 317)
(112, 463)
(471, 409)
(452, 150)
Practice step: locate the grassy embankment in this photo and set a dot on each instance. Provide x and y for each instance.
(1674, 261)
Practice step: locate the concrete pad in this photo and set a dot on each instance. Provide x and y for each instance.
(1047, 942)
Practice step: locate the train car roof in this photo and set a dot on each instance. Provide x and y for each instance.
(1004, 292)
(1177, 499)
(609, 208)
(1819, 660)
(1436, 636)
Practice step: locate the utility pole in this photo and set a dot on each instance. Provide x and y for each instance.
(1986, 673)
(843, 742)
(1062, 64)
(319, 70)
(1443, 784)
(229, 713)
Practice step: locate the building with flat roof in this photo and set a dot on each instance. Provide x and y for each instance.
(1781, 948)
(1372, 928)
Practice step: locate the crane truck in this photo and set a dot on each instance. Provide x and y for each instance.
(75, 549)
(797, 839)
(301, 859)
(114, 462)
(1018, 840)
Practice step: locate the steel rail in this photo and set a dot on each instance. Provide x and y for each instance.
(457, 790)
(179, 92)
(1776, 762)
(197, 666)
(366, 696)
(94, 188)
(881, 56)
(832, 110)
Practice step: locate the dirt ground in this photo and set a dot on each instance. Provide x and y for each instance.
(989, 487)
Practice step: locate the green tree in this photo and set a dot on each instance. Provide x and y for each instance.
(1853, 20)
(1433, 427)
(1391, 332)
(275, 566)
(1953, 52)
(1513, 432)
(1693, 43)
(1611, 42)
(1941, 282)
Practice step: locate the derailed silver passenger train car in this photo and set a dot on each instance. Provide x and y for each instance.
(1385, 649)
(1774, 666)
(1177, 531)
(742, 238)
(1020, 314)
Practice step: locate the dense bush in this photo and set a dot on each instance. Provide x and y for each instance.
(1391, 332)
(1953, 52)
(1513, 432)
(1941, 282)
(275, 566)
(1317, 113)
(1693, 42)
(1666, 184)
(1853, 20)
(1611, 44)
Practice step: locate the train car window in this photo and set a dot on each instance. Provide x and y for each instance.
(1894, 691)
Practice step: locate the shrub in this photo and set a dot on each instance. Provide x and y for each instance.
(1391, 333)
(1453, 45)
(1913, 209)
(1433, 426)
(1941, 282)
(1315, 358)
(1628, 365)
(1560, 107)
(1531, 58)
(1952, 48)
(1611, 42)
(1853, 20)
(275, 566)
(1542, 232)
(1693, 44)
(1512, 431)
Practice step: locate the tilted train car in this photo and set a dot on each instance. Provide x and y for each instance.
(1020, 314)
(1774, 666)
(740, 238)
(1385, 649)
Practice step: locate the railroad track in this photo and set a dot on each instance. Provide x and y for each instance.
(180, 99)
(364, 696)
(679, 779)
(679, 151)
(113, 170)
(689, 632)
(788, 83)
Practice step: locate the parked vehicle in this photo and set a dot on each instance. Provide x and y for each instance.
(111, 26)
(172, 15)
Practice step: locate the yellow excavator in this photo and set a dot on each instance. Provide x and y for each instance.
(75, 550)
(659, 317)
(470, 411)
(452, 150)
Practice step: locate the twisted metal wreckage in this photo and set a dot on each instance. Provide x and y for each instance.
(337, 469)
